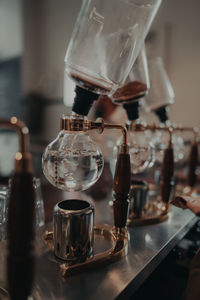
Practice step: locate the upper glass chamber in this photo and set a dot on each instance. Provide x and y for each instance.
(107, 36)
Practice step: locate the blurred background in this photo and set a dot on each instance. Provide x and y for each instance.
(33, 40)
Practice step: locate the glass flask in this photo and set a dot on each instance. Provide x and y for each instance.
(72, 162)
(106, 40)
(142, 152)
(141, 149)
(160, 141)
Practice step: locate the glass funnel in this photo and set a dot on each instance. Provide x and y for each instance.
(160, 140)
(136, 84)
(106, 40)
(141, 149)
(161, 93)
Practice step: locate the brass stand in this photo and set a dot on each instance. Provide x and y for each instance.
(158, 212)
(154, 213)
(119, 248)
(117, 235)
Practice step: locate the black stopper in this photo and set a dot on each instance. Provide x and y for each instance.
(162, 114)
(132, 110)
(83, 101)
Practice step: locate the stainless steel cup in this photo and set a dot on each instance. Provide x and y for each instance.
(139, 193)
(73, 230)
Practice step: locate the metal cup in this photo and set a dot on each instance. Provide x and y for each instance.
(73, 230)
(139, 193)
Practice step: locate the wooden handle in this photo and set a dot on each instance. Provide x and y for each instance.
(167, 174)
(20, 230)
(122, 181)
(193, 162)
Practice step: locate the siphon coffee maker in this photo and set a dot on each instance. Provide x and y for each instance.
(136, 86)
(158, 100)
(156, 210)
(99, 57)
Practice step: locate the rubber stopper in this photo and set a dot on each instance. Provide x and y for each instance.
(83, 101)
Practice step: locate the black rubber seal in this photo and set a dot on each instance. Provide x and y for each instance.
(162, 114)
(132, 110)
(83, 101)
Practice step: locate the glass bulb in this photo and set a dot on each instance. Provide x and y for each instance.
(161, 140)
(142, 152)
(72, 162)
(179, 147)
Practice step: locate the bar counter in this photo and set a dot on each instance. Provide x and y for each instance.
(148, 246)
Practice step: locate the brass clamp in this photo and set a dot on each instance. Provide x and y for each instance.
(78, 124)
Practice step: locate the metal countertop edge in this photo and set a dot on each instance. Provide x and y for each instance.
(155, 261)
